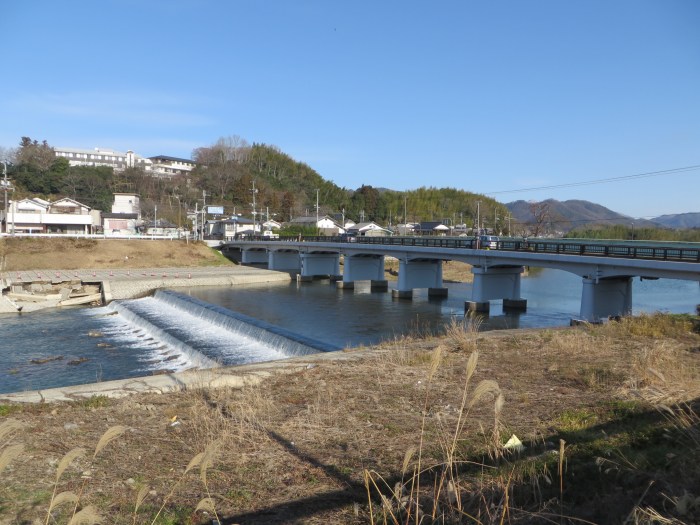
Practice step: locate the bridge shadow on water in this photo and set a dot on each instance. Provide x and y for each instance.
(635, 459)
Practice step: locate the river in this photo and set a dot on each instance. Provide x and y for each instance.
(164, 333)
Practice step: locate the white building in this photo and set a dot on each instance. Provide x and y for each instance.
(104, 157)
(125, 217)
(369, 229)
(34, 215)
(231, 228)
(326, 225)
(168, 167)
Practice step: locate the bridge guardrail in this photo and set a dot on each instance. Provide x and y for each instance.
(595, 249)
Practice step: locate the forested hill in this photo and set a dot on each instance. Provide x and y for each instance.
(289, 187)
(228, 171)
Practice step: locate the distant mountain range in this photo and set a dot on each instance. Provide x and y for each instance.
(567, 215)
(679, 220)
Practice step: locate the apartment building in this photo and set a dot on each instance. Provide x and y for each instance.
(104, 157)
(163, 166)
(168, 167)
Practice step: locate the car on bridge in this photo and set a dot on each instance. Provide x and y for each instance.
(488, 242)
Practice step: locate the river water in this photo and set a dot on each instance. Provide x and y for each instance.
(197, 326)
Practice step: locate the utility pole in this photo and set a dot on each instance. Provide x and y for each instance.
(4, 186)
(204, 210)
(478, 218)
(7, 187)
(405, 217)
(317, 208)
(155, 218)
(196, 220)
(254, 191)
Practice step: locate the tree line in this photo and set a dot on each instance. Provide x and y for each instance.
(623, 232)
(225, 175)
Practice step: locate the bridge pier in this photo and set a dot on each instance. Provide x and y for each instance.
(285, 261)
(496, 283)
(363, 268)
(602, 298)
(254, 257)
(419, 274)
(318, 265)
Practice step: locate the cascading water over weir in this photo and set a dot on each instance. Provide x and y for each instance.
(207, 335)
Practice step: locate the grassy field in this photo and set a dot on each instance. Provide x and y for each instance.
(23, 254)
(413, 431)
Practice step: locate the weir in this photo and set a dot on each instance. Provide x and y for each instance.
(195, 358)
(209, 335)
(278, 339)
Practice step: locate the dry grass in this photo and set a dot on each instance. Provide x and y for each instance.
(23, 254)
(418, 424)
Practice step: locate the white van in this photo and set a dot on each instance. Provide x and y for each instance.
(488, 242)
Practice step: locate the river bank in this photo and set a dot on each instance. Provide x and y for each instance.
(317, 439)
(29, 291)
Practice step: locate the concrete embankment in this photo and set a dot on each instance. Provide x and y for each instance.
(130, 284)
(36, 290)
(219, 377)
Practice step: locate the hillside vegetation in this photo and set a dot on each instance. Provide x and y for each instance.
(227, 173)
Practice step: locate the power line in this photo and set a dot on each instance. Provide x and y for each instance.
(600, 181)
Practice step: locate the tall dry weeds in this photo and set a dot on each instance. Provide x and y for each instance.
(87, 515)
(8, 451)
(442, 502)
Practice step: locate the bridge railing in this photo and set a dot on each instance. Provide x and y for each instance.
(595, 249)
(626, 251)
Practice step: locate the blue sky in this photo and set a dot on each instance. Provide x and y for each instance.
(497, 96)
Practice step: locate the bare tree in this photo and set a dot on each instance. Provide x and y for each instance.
(226, 150)
(541, 215)
(235, 148)
(8, 155)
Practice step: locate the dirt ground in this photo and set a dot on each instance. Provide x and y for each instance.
(22, 254)
(322, 445)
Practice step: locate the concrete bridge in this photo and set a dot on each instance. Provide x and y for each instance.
(607, 269)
